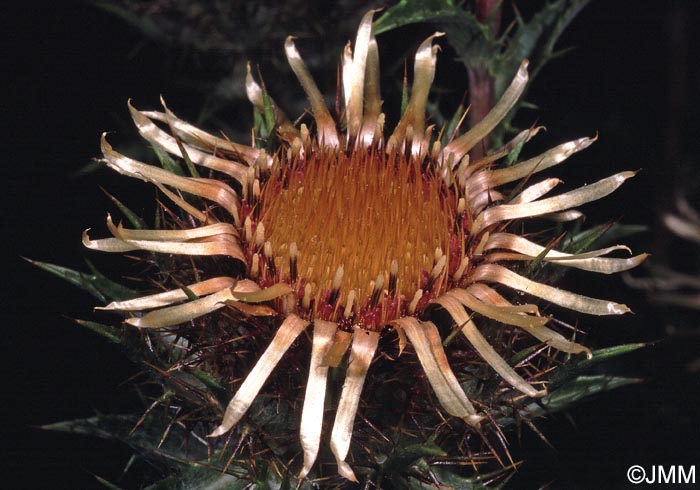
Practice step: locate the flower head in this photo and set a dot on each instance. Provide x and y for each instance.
(347, 229)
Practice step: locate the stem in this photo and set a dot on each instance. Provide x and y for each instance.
(481, 84)
(481, 101)
(484, 10)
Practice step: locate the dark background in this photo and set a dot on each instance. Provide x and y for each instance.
(69, 69)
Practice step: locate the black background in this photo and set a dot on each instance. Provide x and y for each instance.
(69, 69)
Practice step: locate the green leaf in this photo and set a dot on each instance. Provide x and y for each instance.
(209, 380)
(473, 41)
(259, 124)
(577, 390)
(200, 478)
(131, 217)
(569, 387)
(453, 124)
(514, 154)
(404, 96)
(107, 484)
(403, 456)
(192, 388)
(532, 267)
(179, 446)
(188, 161)
(96, 283)
(144, 23)
(413, 11)
(573, 368)
(584, 240)
(478, 47)
(159, 436)
(107, 331)
(167, 162)
(600, 236)
(449, 479)
(522, 354)
(112, 290)
(269, 113)
(102, 426)
(535, 39)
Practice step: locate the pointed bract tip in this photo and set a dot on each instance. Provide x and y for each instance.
(346, 472)
(219, 431)
(474, 420)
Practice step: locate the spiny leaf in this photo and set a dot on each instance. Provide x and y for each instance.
(512, 157)
(578, 390)
(572, 369)
(584, 240)
(404, 95)
(476, 43)
(448, 479)
(452, 126)
(269, 113)
(107, 484)
(131, 217)
(473, 41)
(259, 124)
(413, 11)
(199, 468)
(102, 426)
(192, 388)
(112, 290)
(200, 478)
(107, 331)
(96, 283)
(209, 380)
(179, 446)
(617, 232)
(144, 23)
(167, 162)
(405, 455)
(532, 267)
(522, 354)
(188, 161)
(535, 39)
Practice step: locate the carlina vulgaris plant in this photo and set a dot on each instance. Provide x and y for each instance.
(352, 234)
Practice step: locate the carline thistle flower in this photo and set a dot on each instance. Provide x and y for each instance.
(345, 232)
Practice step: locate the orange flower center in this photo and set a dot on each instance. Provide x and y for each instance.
(364, 222)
